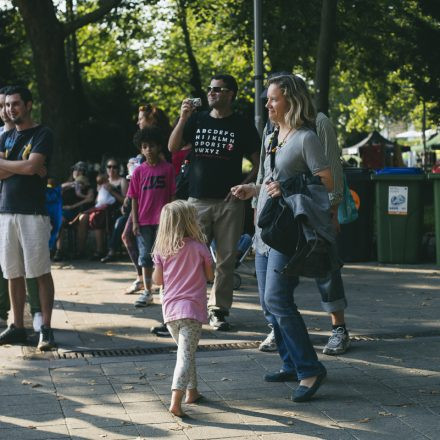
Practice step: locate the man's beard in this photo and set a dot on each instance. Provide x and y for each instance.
(17, 120)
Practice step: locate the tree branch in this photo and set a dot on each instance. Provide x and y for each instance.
(105, 6)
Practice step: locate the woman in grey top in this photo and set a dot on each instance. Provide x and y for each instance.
(298, 151)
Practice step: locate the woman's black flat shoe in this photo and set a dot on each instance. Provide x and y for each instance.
(304, 394)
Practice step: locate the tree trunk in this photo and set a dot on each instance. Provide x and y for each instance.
(58, 110)
(325, 55)
(195, 80)
(73, 65)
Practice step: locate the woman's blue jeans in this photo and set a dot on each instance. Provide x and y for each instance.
(276, 298)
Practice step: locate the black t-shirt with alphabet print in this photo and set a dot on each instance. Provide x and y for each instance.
(218, 147)
(20, 194)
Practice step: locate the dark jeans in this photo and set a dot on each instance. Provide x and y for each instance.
(114, 243)
(276, 298)
(145, 242)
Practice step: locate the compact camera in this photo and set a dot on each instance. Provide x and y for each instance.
(196, 102)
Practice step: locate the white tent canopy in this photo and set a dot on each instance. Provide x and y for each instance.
(413, 134)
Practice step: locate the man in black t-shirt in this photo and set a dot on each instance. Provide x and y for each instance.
(220, 139)
(24, 223)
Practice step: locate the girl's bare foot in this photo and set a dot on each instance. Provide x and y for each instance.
(176, 403)
(177, 412)
(192, 396)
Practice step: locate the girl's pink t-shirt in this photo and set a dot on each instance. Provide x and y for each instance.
(185, 282)
(153, 187)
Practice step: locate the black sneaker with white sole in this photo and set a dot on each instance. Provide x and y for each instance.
(218, 322)
(47, 341)
(161, 330)
(13, 335)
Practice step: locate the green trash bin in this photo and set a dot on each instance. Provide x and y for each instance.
(436, 182)
(399, 214)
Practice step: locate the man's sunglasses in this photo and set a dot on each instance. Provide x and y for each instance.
(112, 166)
(216, 89)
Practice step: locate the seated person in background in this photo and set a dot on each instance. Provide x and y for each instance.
(77, 193)
(123, 225)
(78, 196)
(117, 185)
(104, 197)
(111, 188)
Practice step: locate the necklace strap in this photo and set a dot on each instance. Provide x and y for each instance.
(284, 139)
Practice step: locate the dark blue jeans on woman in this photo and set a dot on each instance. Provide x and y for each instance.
(276, 298)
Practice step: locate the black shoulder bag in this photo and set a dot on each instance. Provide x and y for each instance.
(279, 228)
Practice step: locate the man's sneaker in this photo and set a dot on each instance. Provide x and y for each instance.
(47, 341)
(269, 344)
(13, 335)
(144, 300)
(217, 321)
(160, 330)
(338, 342)
(37, 322)
(3, 323)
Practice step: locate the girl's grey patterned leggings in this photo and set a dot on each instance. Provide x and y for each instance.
(186, 333)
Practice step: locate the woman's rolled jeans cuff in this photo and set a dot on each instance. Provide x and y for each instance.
(334, 306)
(332, 292)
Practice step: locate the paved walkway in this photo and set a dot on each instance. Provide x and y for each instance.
(386, 386)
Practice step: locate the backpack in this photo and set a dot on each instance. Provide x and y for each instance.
(347, 212)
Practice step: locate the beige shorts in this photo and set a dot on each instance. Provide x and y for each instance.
(24, 245)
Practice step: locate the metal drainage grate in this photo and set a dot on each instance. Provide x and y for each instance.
(155, 350)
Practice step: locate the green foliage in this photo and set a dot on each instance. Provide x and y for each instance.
(385, 62)
(16, 55)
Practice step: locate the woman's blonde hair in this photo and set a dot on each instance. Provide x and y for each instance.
(301, 110)
(178, 220)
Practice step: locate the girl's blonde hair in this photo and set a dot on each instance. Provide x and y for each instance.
(178, 220)
(301, 110)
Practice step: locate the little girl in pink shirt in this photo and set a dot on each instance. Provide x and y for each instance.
(182, 264)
